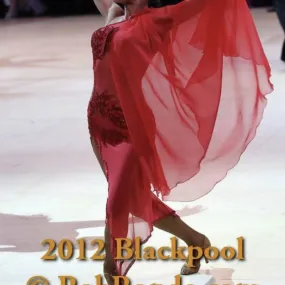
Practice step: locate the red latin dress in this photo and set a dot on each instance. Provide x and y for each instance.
(178, 94)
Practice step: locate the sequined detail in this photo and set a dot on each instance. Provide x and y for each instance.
(107, 106)
(100, 41)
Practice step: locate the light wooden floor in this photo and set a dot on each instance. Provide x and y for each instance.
(51, 185)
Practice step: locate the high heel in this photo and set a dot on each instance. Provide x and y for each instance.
(109, 278)
(186, 270)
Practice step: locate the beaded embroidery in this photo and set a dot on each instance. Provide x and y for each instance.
(101, 40)
(104, 104)
(107, 106)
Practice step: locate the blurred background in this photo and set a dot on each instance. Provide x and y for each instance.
(34, 8)
(10, 9)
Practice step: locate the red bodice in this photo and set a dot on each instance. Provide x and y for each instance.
(106, 120)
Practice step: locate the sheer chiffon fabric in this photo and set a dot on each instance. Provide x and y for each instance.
(191, 81)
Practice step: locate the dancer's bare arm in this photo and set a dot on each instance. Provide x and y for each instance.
(114, 13)
(103, 6)
(109, 9)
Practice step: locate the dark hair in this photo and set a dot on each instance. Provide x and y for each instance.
(158, 3)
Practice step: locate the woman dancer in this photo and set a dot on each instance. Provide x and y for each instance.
(178, 94)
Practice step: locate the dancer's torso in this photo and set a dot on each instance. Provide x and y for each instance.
(106, 119)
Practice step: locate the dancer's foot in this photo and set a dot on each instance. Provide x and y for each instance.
(186, 270)
(110, 271)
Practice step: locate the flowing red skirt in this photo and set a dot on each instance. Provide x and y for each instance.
(187, 85)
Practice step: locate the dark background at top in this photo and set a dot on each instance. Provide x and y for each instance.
(70, 7)
(81, 7)
(63, 7)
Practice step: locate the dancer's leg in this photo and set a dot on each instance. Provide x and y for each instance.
(175, 226)
(280, 9)
(97, 154)
(283, 52)
(110, 269)
(109, 264)
(164, 218)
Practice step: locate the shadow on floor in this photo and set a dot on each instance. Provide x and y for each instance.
(26, 233)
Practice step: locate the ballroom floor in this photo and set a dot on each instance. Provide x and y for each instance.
(51, 185)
